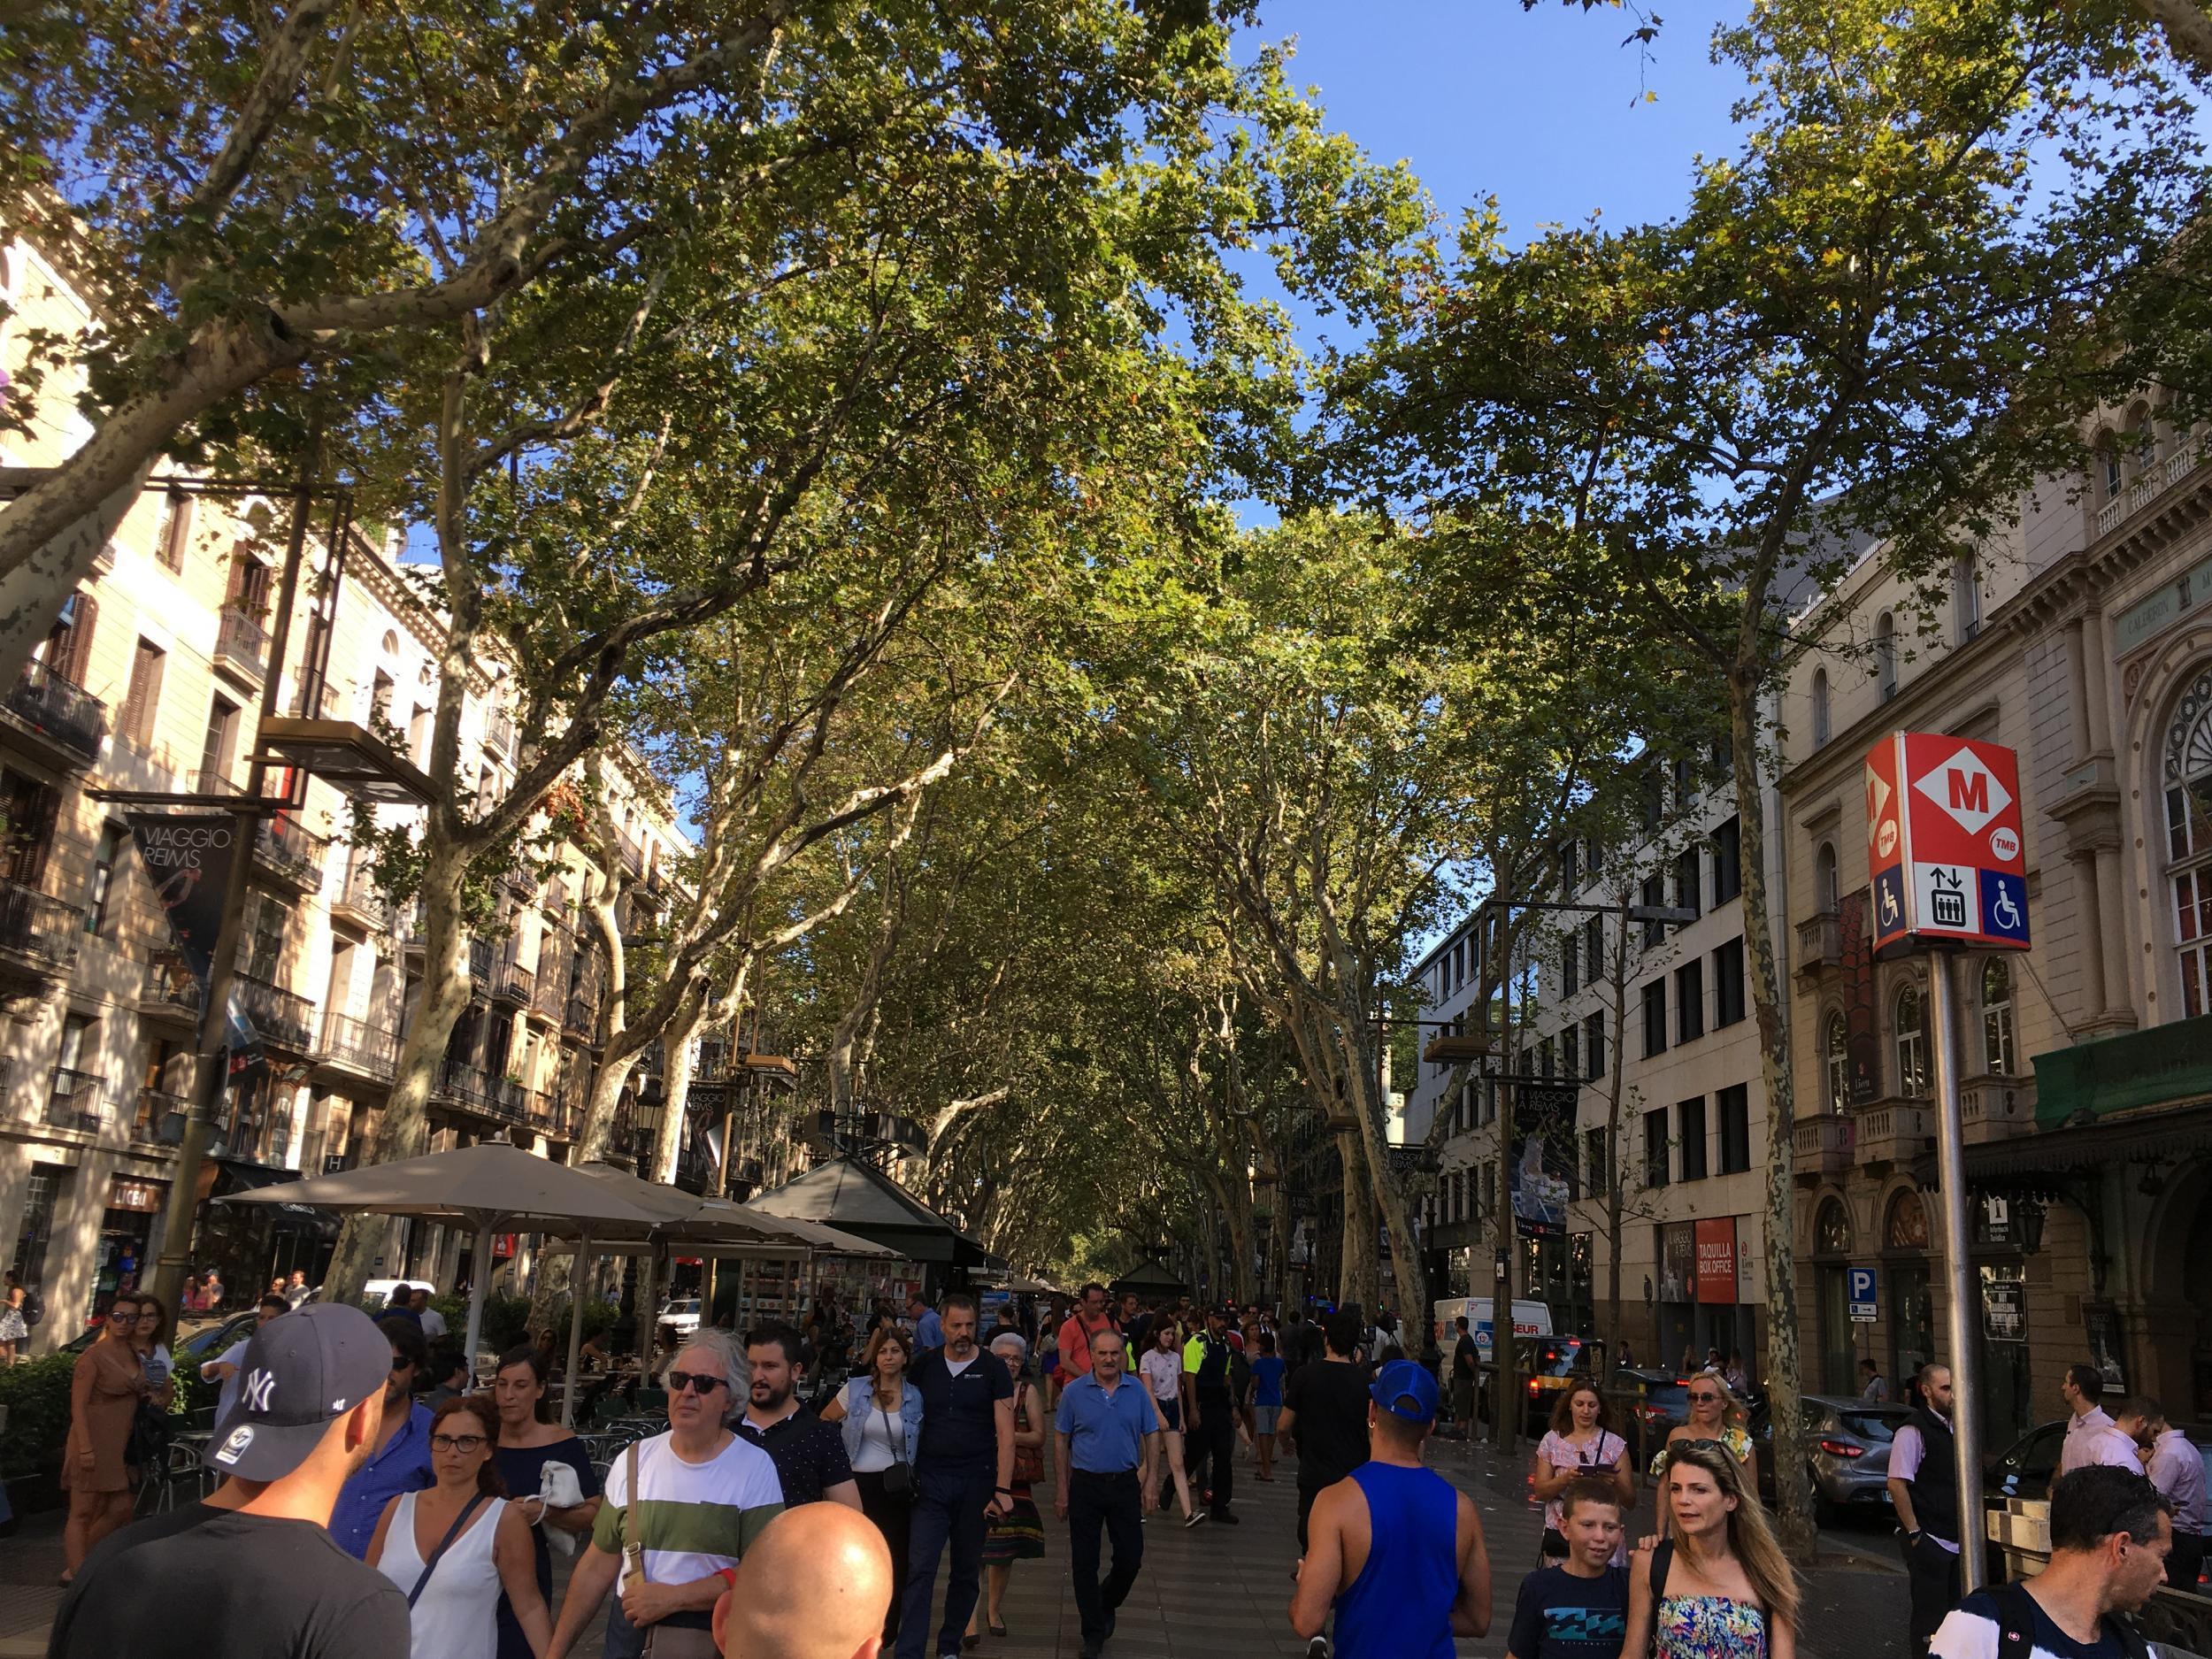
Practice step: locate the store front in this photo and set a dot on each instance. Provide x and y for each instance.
(126, 1246)
(1831, 1299)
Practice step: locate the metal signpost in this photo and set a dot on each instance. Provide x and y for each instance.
(1949, 867)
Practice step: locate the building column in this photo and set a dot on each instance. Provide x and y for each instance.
(2089, 902)
(2111, 934)
(2078, 692)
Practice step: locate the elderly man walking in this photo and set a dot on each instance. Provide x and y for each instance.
(1109, 1435)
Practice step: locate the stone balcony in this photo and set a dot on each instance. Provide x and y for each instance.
(1819, 945)
(1893, 1132)
(1997, 1108)
(1824, 1147)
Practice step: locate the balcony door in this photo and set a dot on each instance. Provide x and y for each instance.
(31, 807)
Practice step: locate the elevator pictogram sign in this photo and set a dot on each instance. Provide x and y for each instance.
(1945, 849)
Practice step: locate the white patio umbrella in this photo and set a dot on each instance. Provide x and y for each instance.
(491, 1187)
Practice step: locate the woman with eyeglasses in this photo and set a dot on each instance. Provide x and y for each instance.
(457, 1545)
(1716, 1420)
(1580, 1442)
(1718, 1586)
(104, 1390)
(880, 1414)
(546, 1472)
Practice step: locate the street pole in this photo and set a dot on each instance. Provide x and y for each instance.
(207, 1088)
(1964, 1287)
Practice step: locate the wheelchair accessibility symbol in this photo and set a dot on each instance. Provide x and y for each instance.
(2004, 906)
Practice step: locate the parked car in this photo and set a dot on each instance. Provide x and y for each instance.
(1848, 1455)
(680, 1315)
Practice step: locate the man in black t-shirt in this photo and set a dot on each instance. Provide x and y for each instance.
(253, 1570)
(809, 1454)
(1324, 1415)
(964, 1467)
(1465, 1362)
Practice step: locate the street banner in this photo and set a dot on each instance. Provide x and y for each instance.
(1717, 1261)
(1945, 848)
(1543, 1145)
(1861, 1045)
(187, 858)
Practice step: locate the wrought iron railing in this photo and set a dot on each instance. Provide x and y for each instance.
(482, 958)
(161, 1117)
(459, 1080)
(170, 982)
(74, 1100)
(59, 710)
(34, 926)
(243, 640)
(356, 1043)
(291, 850)
(282, 1016)
(362, 895)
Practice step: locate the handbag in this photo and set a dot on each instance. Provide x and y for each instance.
(898, 1480)
(152, 1431)
(662, 1641)
(437, 1555)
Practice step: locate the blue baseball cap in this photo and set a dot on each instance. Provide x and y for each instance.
(1405, 1389)
(301, 1372)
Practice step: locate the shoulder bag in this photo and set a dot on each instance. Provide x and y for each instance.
(898, 1480)
(453, 1532)
(662, 1641)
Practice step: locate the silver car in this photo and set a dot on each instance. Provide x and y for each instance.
(1847, 1452)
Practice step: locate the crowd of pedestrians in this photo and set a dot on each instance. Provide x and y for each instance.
(381, 1499)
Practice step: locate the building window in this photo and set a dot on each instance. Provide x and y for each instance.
(1912, 1044)
(1654, 897)
(1831, 1229)
(1966, 600)
(1823, 726)
(142, 702)
(1886, 654)
(68, 652)
(218, 744)
(1546, 1057)
(1571, 1053)
(37, 1227)
(1688, 887)
(264, 959)
(1594, 1163)
(1689, 1000)
(1689, 1118)
(1570, 967)
(2187, 768)
(1655, 1018)
(1735, 1128)
(1835, 1059)
(1594, 1038)
(1728, 1002)
(1997, 1054)
(2109, 467)
(102, 882)
(1655, 789)
(1656, 1148)
(1593, 949)
(1827, 888)
(1569, 869)
(176, 530)
(1727, 861)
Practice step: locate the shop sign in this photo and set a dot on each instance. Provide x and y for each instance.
(1945, 841)
(125, 1194)
(1717, 1261)
(188, 858)
(2005, 1310)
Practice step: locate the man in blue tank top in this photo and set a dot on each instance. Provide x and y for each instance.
(1395, 1547)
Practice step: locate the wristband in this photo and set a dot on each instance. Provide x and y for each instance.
(1008, 1491)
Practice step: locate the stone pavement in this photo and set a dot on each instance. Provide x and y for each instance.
(1209, 1592)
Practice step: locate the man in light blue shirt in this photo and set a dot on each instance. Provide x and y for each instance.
(929, 1330)
(1108, 1434)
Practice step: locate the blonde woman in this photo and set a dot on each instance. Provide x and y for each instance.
(1718, 1586)
(1716, 1420)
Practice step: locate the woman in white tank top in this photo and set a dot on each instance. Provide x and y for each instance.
(454, 1611)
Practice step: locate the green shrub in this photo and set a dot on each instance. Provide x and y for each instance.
(37, 1394)
(507, 1319)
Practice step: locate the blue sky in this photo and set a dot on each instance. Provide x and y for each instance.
(1543, 109)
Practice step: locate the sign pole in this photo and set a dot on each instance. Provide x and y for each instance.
(1963, 1282)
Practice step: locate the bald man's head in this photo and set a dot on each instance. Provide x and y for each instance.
(816, 1585)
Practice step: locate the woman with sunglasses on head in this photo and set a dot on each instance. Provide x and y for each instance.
(546, 1472)
(1580, 1442)
(456, 1545)
(881, 1414)
(1716, 1420)
(1718, 1586)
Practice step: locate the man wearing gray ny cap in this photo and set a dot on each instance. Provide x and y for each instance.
(252, 1569)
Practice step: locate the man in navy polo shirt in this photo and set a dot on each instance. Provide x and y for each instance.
(1109, 1435)
(963, 1469)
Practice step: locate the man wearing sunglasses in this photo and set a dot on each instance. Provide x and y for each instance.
(400, 1461)
(703, 1494)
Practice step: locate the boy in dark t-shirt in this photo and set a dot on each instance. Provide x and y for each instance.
(1579, 1608)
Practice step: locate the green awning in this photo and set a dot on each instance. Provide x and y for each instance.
(2165, 1065)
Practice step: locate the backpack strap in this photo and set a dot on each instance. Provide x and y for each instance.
(2016, 1624)
(1662, 1563)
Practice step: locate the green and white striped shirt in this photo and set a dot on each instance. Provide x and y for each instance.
(692, 1519)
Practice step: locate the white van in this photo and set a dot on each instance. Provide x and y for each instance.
(1530, 1318)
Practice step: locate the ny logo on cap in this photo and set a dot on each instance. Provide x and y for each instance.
(260, 1385)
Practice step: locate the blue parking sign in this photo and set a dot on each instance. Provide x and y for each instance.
(1860, 1280)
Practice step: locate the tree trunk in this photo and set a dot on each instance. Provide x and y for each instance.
(1613, 1192)
(660, 1164)
(32, 593)
(1800, 1534)
(2188, 30)
(404, 1129)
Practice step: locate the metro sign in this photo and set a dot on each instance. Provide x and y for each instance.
(1945, 848)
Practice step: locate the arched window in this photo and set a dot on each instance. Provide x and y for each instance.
(2187, 775)
(1886, 654)
(1831, 1229)
(1822, 720)
(2141, 438)
(1827, 886)
(2109, 467)
(1997, 1051)
(1835, 1060)
(1912, 1043)
(1966, 600)
(1907, 1226)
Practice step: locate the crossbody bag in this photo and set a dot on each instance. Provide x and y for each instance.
(898, 1480)
(460, 1524)
(662, 1640)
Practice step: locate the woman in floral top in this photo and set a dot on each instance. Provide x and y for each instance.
(1716, 1420)
(1719, 1587)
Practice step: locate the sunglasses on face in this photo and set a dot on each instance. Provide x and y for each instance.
(455, 1442)
(1705, 1399)
(699, 1382)
(400, 1364)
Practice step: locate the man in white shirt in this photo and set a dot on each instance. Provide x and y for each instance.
(433, 1325)
(224, 1368)
(2110, 1537)
(2091, 1438)
(1924, 1487)
(2177, 1468)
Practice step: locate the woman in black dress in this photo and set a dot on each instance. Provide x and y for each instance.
(528, 1444)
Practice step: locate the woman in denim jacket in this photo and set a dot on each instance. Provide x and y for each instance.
(881, 1413)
